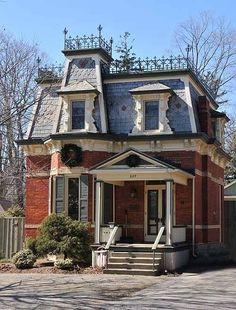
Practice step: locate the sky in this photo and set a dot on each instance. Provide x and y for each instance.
(151, 22)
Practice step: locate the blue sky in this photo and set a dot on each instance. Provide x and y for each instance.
(150, 22)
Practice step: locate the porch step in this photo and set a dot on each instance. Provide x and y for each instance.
(134, 263)
(132, 266)
(134, 254)
(140, 272)
(132, 260)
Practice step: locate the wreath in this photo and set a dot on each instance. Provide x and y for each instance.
(71, 155)
(133, 160)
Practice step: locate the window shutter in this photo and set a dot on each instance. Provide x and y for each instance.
(83, 198)
(59, 195)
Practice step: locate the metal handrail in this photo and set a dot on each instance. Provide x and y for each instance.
(155, 244)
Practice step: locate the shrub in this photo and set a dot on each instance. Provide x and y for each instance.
(30, 243)
(59, 234)
(24, 259)
(13, 211)
(64, 264)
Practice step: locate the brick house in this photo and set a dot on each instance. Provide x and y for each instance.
(137, 146)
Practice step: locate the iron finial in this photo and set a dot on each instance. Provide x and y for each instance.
(65, 31)
(188, 49)
(100, 30)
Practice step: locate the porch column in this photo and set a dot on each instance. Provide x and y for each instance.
(99, 198)
(169, 207)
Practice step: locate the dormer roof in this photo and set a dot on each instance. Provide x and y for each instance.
(151, 88)
(78, 87)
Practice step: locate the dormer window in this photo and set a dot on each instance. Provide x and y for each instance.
(78, 115)
(78, 100)
(151, 105)
(151, 115)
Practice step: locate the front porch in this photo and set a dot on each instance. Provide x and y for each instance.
(138, 213)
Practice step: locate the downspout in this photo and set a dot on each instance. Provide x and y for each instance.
(193, 219)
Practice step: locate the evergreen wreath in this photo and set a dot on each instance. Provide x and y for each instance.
(71, 155)
(133, 160)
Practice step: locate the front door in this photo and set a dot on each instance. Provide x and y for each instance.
(154, 216)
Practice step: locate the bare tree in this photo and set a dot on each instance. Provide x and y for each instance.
(18, 69)
(211, 46)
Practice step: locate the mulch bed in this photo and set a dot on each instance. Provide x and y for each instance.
(42, 268)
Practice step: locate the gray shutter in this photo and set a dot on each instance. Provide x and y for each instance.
(83, 198)
(59, 195)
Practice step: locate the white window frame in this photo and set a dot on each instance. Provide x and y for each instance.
(139, 122)
(102, 210)
(144, 115)
(71, 115)
(89, 121)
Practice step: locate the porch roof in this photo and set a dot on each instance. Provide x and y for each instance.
(118, 169)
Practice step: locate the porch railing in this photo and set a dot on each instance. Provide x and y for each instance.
(155, 244)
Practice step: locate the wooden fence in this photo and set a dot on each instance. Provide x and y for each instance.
(230, 227)
(11, 236)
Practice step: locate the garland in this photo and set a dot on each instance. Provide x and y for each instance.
(71, 155)
(133, 160)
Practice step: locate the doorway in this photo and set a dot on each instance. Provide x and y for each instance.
(154, 211)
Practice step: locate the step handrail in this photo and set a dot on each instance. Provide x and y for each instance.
(155, 244)
(111, 237)
(158, 238)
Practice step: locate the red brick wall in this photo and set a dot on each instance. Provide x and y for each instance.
(36, 201)
(88, 159)
(207, 207)
(183, 204)
(38, 163)
(134, 207)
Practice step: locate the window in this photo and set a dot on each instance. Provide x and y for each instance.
(71, 197)
(78, 114)
(151, 115)
(108, 211)
(108, 203)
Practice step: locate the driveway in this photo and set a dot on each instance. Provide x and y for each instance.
(215, 289)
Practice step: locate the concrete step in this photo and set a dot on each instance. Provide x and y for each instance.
(132, 266)
(134, 254)
(141, 272)
(138, 260)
